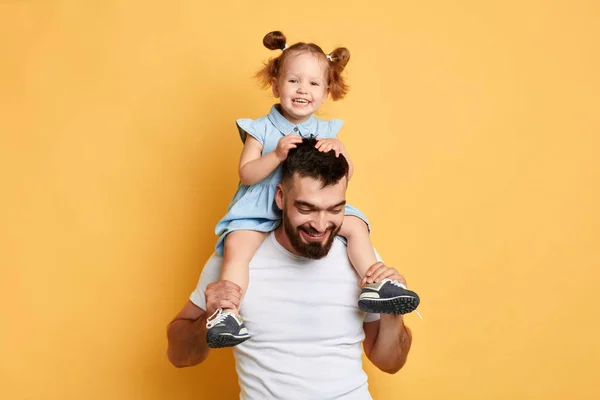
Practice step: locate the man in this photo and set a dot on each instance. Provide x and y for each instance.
(301, 301)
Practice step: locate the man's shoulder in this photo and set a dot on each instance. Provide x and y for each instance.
(338, 247)
(213, 265)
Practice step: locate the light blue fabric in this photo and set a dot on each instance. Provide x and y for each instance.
(253, 207)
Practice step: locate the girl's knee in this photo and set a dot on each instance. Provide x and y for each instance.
(233, 239)
(354, 225)
(242, 243)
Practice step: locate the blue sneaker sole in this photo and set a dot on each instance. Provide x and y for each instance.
(397, 305)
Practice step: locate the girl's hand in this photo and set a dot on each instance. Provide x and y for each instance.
(335, 144)
(285, 144)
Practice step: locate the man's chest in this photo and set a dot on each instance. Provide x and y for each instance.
(315, 302)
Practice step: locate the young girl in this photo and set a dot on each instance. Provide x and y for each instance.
(302, 77)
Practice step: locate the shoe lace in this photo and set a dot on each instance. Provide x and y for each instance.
(396, 283)
(216, 318)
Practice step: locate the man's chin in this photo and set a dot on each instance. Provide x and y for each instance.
(306, 245)
(313, 249)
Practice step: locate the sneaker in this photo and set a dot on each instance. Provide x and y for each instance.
(387, 297)
(225, 329)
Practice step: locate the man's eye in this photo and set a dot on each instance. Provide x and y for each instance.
(336, 211)
(304, 211)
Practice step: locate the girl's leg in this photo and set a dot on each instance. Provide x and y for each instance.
(385, 296)
(225, 327)
(239, 249)
(360, 248)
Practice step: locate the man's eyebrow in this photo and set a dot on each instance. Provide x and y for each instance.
(302, 203)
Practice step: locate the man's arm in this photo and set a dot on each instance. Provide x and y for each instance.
(187, 332)
(187, 337)
(387, 342)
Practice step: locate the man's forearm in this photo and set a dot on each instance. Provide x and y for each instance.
(187, 342)
(392, 344)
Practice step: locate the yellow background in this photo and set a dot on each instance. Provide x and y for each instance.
(474, 130)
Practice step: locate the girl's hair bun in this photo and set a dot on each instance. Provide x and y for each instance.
(274, 40)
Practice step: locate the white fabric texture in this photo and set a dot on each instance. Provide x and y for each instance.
(306, 328)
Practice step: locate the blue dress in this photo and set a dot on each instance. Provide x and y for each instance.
(253, 207)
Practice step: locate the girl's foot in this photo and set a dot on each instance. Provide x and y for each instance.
(225, 329)
(387, 297)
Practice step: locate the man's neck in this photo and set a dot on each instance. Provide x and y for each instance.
(283, 240)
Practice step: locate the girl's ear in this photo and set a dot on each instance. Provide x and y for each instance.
(274, 87)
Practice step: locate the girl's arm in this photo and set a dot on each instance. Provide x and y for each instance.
(253, 166)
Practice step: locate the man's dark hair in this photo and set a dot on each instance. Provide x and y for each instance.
(306, 161)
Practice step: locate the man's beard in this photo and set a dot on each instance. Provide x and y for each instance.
(312, 250)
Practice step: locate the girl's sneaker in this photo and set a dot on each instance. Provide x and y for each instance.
(387, 297)
(225, 329)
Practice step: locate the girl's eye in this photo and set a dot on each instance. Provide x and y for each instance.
(293, 80)
(315, 83)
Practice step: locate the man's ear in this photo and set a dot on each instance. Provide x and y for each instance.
(274, 87)
(279, 196)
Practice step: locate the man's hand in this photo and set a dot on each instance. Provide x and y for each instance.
(378, 271)
(222, 294)
(335, 144)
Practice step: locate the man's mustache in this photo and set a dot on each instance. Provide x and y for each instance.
(310, 229)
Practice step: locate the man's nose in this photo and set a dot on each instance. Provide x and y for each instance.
(320, 223)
